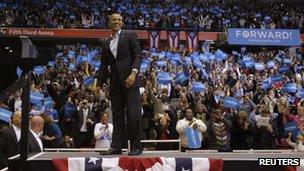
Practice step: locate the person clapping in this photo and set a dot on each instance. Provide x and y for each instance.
(103, 132)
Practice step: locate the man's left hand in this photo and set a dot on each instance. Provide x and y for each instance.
(130, 80)
(194, 126)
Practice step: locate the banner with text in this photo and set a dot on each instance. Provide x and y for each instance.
(271, 37)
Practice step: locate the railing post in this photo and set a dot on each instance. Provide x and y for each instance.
(179, 146)
(129, 146)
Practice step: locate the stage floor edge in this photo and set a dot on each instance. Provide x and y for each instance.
(233, 161)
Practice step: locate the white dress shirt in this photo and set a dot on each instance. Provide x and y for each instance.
(114, 43)
(38, 139)
(84, 125)
(17, 105)
(17, 132)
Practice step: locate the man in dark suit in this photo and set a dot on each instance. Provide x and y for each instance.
(15, 103)
(85, 121)
(9, 139)
(123, 54)
(36, 128)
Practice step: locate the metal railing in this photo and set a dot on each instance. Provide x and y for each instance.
(78, 149)
(124, 150)
(244, 151)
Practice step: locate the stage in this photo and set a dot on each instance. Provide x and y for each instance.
(237, 160)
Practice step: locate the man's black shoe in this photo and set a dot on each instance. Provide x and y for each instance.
(111, 151)
(135, 152)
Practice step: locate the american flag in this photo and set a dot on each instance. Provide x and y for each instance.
(138, 164)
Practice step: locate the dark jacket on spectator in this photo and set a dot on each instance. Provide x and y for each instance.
(8, 145)
(212, 141)
(240, 138)
(263, 139)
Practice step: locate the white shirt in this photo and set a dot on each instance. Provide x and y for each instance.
(103, 136)
(114, 43)
(183, 124)
(17, 105)
(84, 125)
(141, 22)
(17, 132)
(38, 139)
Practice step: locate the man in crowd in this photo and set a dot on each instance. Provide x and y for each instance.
(36, 128)
(189, 122)
(219, 131)
(85, 121)
(9, 139)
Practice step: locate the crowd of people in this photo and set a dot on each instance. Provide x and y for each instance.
(235, 100)
(215, 15)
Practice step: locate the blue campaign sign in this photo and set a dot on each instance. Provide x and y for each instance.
(290, 88)
(276, 78)
(291, 127)
(198, 87)
(231, 102)
(5, 115)
(192, 138)
(273, 37)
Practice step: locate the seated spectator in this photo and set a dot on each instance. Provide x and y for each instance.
(189, 122)
(103, 132)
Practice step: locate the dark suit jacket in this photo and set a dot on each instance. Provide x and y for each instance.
(33, 144)
(128, 57)
(79, 119)
(8, 144)
(11, 105)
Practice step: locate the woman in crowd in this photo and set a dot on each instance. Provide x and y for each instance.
(263, 134)
(103, 132)
(52, 135)
(162, 131)
(241, 134)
